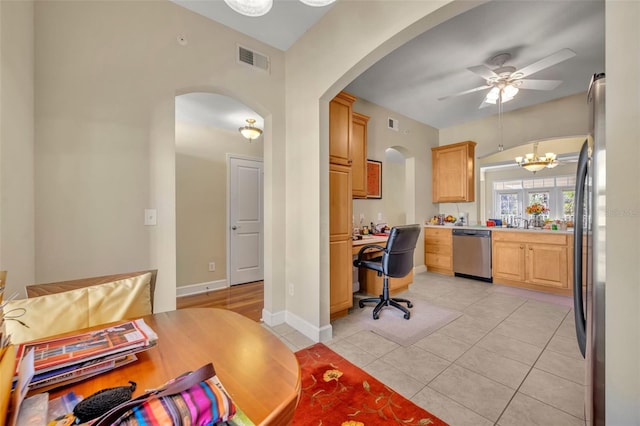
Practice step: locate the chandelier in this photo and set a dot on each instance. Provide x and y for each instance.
(250, 131)
(261, 7)
(534, 163)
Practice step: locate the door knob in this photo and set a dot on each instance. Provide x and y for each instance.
(234, 227)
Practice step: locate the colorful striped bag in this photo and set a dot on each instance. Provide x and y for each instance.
(196, 398)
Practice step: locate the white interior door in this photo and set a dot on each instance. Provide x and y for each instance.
(245, 220)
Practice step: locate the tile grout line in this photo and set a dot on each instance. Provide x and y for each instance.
(488, 378)
(529, 372)
(466, 351)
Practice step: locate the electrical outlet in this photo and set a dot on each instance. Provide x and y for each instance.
(212, 266)
(290, 289)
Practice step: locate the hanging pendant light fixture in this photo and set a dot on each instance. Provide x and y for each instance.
(255, 8)
(250, 131)
(534, 163)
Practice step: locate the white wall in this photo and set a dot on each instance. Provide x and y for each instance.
(519, 127)
(623, 213)
(107, 74)
(201, 199)
(16, 144)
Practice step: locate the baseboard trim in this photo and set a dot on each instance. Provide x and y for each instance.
(273, 319)
(314, 333)
(418, 269)
(190, 290)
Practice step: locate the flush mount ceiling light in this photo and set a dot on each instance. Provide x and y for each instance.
(250, 131)
(250, 7)
(256, 8)
(317, 3)
(534, 163)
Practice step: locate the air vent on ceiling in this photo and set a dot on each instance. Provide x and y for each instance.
(253, 58)
(393, 124)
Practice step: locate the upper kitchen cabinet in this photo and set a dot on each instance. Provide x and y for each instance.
(453, 177)
(359, 155)
(340, 129)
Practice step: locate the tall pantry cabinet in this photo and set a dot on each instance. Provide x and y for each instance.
(340, 205)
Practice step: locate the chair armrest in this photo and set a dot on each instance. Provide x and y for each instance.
(356, 262)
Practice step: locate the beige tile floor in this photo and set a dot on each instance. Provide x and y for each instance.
(510, 359)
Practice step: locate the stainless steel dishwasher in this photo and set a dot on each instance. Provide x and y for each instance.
(472, 254)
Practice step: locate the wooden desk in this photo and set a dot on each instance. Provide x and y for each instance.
(370, 282)
(260, 373)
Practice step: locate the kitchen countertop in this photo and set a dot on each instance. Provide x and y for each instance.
(500, 229)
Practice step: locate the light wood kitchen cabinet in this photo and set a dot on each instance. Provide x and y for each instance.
(453, 175)
(340, 128)
(438, 250)
(340, 243)
(359, 155)
(537, 261)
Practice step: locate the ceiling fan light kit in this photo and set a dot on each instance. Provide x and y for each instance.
(255, 8)
(508, 92)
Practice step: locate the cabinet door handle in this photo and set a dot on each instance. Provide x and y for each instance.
(521, 247)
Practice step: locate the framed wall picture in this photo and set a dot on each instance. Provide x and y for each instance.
(374, 179)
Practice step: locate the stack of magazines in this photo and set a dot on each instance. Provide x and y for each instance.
(64, 360)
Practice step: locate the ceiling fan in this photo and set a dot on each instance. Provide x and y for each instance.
(506, 81)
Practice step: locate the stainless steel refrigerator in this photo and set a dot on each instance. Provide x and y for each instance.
(589, 275)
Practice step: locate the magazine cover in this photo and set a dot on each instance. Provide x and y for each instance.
(56, 353)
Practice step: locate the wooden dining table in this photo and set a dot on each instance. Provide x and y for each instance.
(260, 373)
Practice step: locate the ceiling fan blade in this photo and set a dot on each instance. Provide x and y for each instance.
(483, 71)
(538, 84)
(475, 89)
(559, 56)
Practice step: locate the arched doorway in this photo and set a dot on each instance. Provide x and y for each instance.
(218, 174)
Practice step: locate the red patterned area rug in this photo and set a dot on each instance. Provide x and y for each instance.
(337, 393)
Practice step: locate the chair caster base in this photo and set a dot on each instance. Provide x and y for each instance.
(387, 301)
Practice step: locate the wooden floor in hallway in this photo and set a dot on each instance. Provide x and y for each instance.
(245, 299)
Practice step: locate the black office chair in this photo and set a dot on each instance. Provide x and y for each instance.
(396, 262)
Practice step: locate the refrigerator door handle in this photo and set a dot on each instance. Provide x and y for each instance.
(578, 235)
